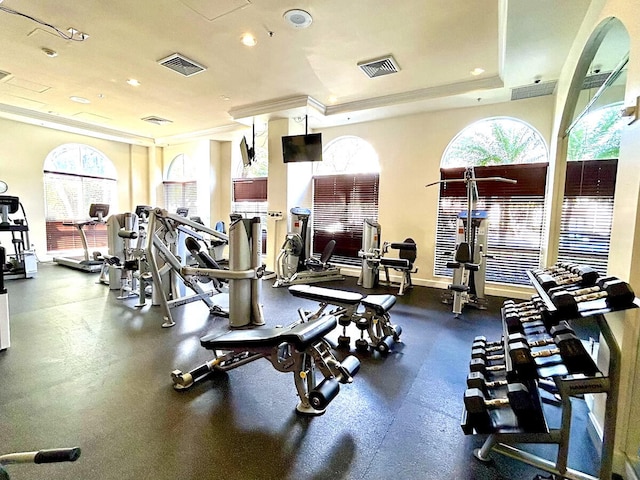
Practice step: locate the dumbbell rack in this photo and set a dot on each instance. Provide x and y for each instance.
(503, 439)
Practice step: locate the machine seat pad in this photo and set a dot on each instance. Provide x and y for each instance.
(381, 304)
(395, 263)
(459, 288)
(300, 335)
(326, 295)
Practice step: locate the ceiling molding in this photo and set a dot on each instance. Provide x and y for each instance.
(417, 95)
(55, 122)
(278, 105)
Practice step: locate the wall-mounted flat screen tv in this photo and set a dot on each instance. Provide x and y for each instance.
(302, 148)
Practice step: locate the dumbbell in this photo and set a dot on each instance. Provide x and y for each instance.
(521, 402)
(616, 293)
(579, 275)
(478, 380)
(535, 302)
(567, 345)
(485, 354)
(480, 365)
(562, 327)
(481, 342)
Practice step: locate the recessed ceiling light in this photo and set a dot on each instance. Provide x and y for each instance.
(79, 99)
(333, 99)
(225, 98)
(248, 40)
(133, 82)
(298, 18)
(477, 71)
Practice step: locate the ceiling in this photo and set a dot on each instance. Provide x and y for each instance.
(290, 72)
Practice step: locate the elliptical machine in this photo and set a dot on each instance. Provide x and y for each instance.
(469, 265)
(294, 264)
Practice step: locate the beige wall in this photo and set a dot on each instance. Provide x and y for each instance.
(22, 156)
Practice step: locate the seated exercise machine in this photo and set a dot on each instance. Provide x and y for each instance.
(41, 456)
(88, 263)
(164, 261)
(470, 254)
(294, 264)
(370, 314)
(23, 262)
(373, 258)
(126, 235)
(299, 349)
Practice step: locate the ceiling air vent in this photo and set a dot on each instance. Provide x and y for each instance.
(182, 65)
(595, 81)
(157, 120)
(534, 90)
(379, 67)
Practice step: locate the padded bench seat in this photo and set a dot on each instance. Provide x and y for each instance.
(301, 335)
(381, 304)
(395, 263)
(326, 295)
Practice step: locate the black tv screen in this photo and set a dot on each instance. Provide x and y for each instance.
(302, 148)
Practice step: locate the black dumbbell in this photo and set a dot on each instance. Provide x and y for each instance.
(481, 342)
(478, 380)
(480, 365)
(518, 399)
(483, 353)
(562, 327)
(616, 293)
(568, 346)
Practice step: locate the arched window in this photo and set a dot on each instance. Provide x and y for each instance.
(496, 147)
(180, 186)
(345, 193)
(587, 206)
(75, 176)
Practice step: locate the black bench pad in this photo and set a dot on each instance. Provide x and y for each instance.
(327, 295)
(395, 263)
(300, 335)
(380, 303)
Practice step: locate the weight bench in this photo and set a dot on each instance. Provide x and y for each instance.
(299, 348)
(374, 319)
(407, 253)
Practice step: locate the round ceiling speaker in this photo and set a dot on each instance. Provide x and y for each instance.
(298, 18)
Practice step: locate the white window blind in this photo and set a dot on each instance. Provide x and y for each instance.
(181, 194)
(587, 212)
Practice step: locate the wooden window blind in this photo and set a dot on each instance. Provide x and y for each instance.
(341, 203)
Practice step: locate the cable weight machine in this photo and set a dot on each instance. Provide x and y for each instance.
(470, 252)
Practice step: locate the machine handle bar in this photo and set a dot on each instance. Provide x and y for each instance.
(42, 456)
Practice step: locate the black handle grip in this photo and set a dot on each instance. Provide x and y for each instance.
(57, 455)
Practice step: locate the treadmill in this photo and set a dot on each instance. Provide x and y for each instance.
(87, 263)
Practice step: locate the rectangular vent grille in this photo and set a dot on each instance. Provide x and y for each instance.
(181, 64)
(157, 120)
(379, 67)
(533, 90)
(595, 81)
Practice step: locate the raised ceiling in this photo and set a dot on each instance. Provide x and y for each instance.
(314, 70)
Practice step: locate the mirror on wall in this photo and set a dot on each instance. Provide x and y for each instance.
(601, 74)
